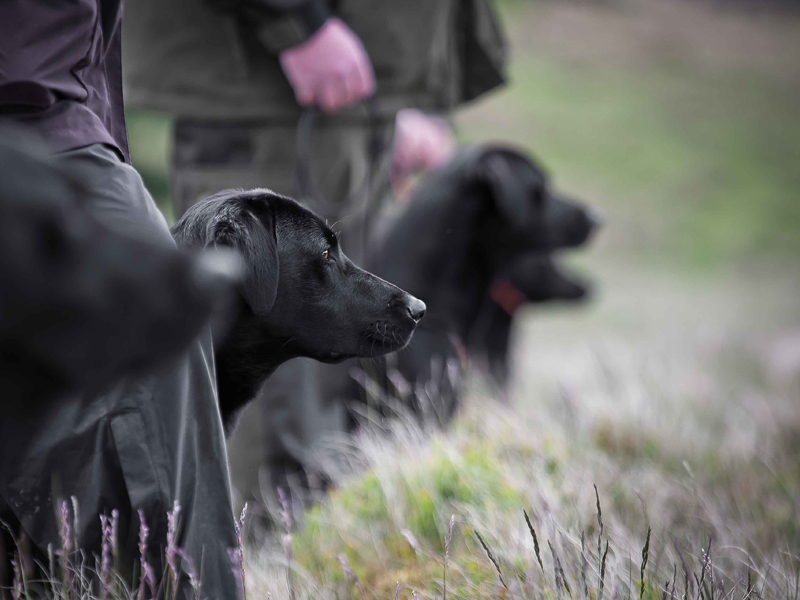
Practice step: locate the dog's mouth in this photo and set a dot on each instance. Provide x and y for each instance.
(384, 337)
(381, 337)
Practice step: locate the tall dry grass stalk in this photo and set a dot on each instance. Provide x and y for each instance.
(447, 541)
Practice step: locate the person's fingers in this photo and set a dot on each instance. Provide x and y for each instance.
(443, 153)
(367, 76)
(304, 94)
(420, 149)
(400, 151)
(364, 74)
(426, 146)
(401, 183)
(436, 143)
(361, 85)
(331, 69)
(350, 86)
(301, 84)
(421, 143)
(445, 147)
(332, 94)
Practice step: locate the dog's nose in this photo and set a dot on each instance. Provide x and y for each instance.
(416, 308)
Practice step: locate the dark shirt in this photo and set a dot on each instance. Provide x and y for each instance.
(60, 71)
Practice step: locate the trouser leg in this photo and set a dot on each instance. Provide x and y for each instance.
(165, 429)
(297, 408)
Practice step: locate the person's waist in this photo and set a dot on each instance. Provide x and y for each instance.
(64, 125)
(25, 97)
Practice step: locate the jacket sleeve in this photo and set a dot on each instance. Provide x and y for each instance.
(278, 24)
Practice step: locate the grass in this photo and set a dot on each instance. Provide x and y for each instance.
(677, 461)
(70, 573)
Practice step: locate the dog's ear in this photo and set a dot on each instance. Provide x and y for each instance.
(255, 238)
(509, 188)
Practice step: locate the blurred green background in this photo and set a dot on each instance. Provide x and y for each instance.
(680, 119)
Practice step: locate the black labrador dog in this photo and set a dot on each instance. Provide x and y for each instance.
(80, 305)
(468, 223)
(301, 296)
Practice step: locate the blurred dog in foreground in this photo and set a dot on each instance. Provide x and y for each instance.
(301, 296)
(80, 305)
(475, 236)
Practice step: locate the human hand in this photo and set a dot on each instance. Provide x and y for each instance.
(421, 143)
(331, 69)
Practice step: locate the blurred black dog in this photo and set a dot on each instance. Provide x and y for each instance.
(80, 305)
(301, 295)
(464, 229)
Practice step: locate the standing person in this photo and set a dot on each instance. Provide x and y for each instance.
(151, 441)
(237, 74)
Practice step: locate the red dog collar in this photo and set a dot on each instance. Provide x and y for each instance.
(506, 296)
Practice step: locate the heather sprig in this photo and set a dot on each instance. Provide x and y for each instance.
(350, 574)
(447, 541)
(171, 550)
(16, 585)
(105, 556)
(144, 533)
(188, 567)
(239, 526)
(287, 539)
(65, 532)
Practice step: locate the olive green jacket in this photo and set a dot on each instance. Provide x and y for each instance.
(217, 59)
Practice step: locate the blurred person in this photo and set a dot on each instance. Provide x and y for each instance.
(149, 441)
(239, 74)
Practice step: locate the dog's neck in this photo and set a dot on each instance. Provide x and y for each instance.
(458, 297)
(244, 361)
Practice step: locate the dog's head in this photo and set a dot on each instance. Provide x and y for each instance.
(302, 291)
(523, 209)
